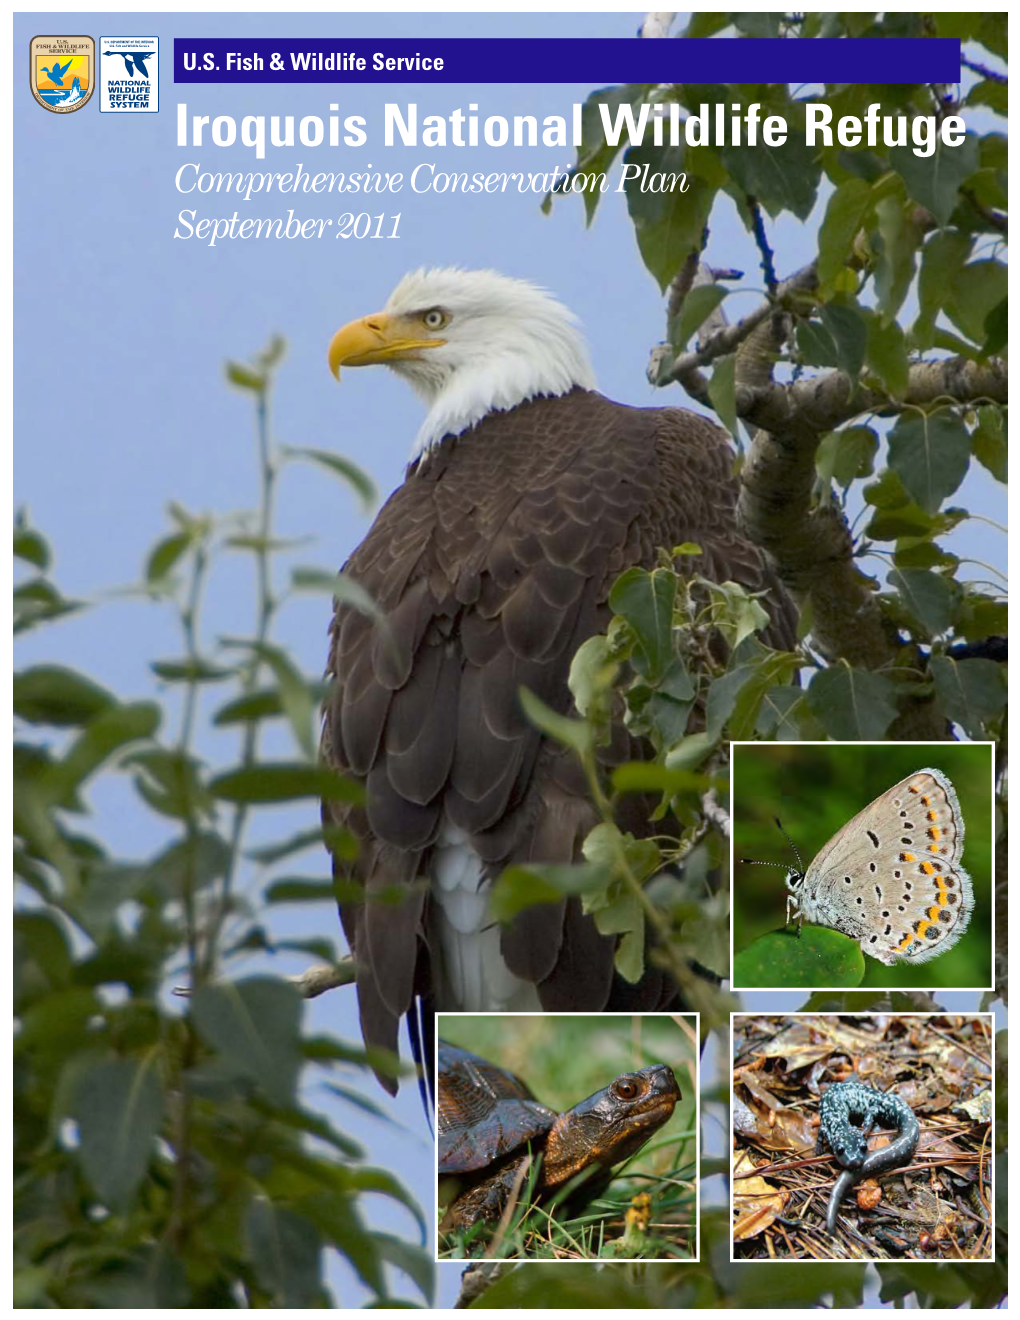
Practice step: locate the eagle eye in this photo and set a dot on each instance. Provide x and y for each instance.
(434, 319)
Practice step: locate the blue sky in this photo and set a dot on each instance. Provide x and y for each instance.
(121, 332)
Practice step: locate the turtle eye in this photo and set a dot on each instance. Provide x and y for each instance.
(626, 1088)
(435, 318)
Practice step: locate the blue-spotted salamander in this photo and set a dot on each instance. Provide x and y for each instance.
(848, 1111)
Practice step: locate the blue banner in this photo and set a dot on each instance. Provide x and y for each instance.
(585, 60)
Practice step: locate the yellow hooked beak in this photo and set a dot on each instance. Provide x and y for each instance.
(377, 338)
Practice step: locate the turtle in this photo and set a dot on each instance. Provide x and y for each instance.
(488, 1120)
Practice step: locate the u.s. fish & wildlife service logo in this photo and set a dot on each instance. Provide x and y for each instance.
(129, 75)
(62, 72)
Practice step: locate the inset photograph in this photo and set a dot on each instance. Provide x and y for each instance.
(567, 1137)
(860, 1137)
(862, 865)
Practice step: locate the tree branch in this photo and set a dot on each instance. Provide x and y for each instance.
(310, 983)
(476, 1279)
(685, 369)
(811, 546)
(315, 981)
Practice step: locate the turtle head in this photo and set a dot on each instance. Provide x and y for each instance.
(610, 1125)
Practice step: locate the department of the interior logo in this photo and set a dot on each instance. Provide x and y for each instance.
(129, 75)
(62, 72)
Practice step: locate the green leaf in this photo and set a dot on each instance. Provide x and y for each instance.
(382, 1181)
(341, 587)
(784, 179)
(887, 356)
(895, 242)
(782, 713)
(264, 544)
(263, 704)
(284, 1251)
(341, 467)
(919, 552)
(191, 669)
(30, 1285)
(910, 520)
(774, 671)
(595, 155)
(845, 215)
(118, 1106)
(818, 958)
(606, 843)
(190, 864)
(722, 391)
(815, 346)
(647, 776)
(575, 734)
(698, 306)
(165, 554)
(272, 353)
(931, 455)
(298, 698)
(520, 887)
(723, 693)
(979, 616)
(298, 889)
(736, 613)
(996, 326)
(52, 694)
(927, 596)
(255, 1025)
(113, 728)
(42, 956)
(244, 378)
(284, 781)
(992, 31)
(988, 442)
(944, 253)
(645, 599)
(934, 181)
(336, 1217)
(853, 704)
(975, 291)
(337, 840)
(691, 752)
(592, 671)
(411, 1260)
(170, 782)
(668, 224)
(38, 601)
(315, 1125)
(844, 456)
(30, 546)
(625, 918)
(849, 334)
(887, 492)
(972, 691)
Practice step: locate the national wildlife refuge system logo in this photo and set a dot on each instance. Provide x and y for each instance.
(129, 74)
(62, 72)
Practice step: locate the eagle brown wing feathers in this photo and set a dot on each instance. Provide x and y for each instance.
(492, 563)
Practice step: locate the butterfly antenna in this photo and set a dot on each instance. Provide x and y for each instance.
(796, 853)
(753, 861)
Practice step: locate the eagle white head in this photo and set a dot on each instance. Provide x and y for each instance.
(470, 342)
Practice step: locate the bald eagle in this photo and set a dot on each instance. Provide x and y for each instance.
(527, 494)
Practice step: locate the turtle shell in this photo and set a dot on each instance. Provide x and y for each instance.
(485, 1112)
